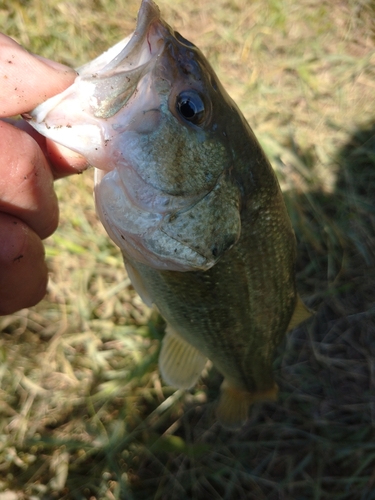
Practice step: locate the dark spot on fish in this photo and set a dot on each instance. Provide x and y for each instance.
(18, 258)
(122, 236)
(215, 251)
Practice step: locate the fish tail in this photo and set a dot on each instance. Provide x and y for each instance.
(234, 403)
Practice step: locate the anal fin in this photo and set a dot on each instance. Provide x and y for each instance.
(180, 363)
(234, 403)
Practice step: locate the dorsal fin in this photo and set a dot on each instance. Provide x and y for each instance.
(180, 363)
(301, 312)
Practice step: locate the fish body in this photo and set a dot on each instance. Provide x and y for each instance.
(185, 190)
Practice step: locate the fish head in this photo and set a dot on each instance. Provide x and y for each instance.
(152, 117)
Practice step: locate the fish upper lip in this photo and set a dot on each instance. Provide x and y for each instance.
(132, 55)
(118, 71)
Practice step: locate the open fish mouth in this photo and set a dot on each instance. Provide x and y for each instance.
(155, 198)
(120, 68)
(78, 117)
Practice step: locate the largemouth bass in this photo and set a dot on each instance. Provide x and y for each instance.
(185, 190)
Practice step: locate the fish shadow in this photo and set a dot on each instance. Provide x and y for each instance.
(329, 359)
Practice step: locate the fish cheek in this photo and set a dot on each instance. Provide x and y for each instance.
(176, 160)
(212, 226)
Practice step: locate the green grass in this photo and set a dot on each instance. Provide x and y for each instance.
(84, 414)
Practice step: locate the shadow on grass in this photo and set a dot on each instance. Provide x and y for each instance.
(317, 441)
(336, 232)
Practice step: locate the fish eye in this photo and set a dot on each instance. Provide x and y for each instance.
(190, 106)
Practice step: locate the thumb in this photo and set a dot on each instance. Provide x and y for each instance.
(27, 80)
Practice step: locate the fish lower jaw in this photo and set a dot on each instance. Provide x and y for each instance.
(78, 138)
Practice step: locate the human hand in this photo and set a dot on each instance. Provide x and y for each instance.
(28, 165)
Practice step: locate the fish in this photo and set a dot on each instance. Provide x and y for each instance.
(184, 189)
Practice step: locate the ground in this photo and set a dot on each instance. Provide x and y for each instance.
(85, 414)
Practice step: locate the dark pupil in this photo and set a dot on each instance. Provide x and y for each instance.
(190, 106)
(188, 109)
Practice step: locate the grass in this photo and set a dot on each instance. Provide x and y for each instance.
(84, 412)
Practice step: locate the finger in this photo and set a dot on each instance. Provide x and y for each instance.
(63, 161)
(26, 80)
(26, 181)
(23, 272)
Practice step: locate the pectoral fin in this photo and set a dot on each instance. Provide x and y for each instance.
(301, 312)
(180, 363)
(233, 407)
